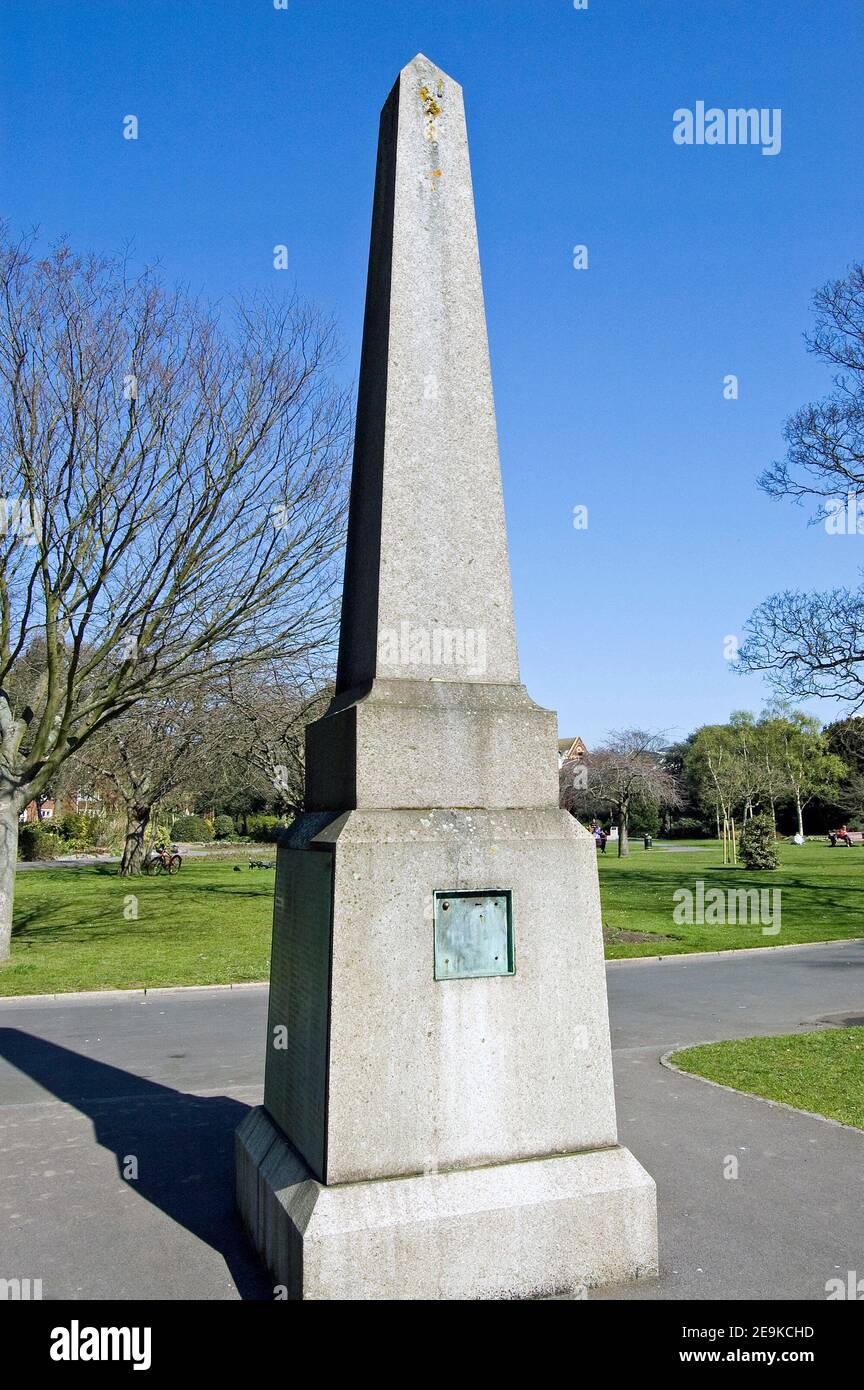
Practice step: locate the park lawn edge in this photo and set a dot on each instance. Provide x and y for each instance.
(713, 1055)
(84, 930)
(265, 981)
(821, 889)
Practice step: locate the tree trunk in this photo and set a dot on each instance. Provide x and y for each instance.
(137, 820)
(623, 842)
(800, 814)
(8, 857)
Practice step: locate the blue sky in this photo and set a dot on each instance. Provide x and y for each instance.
(258, 126)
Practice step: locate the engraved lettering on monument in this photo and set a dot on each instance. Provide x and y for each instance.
(296, 1074)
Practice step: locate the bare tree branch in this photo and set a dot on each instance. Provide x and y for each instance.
(627, 767)
(172, 483)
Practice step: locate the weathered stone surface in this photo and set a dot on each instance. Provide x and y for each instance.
(427, 544)
(433, 771)
(259, 1135)
(549, 1226)
(433, 743)
(422, 1074)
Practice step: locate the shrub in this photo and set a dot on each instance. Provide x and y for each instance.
(688, 829)
(72, 825)
(81, 829)
(95, 830)
(223, 826)
(191, 829)
(265, 829)
(644, 819)
(34, 843)
(758, 845)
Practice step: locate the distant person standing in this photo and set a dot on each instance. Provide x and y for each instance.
(602, 841)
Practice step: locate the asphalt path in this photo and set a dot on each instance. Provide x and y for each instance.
(117, 1114)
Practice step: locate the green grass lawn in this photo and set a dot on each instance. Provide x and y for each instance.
(822, 897)
(210, 925)
(823, 1071)
(206, 925)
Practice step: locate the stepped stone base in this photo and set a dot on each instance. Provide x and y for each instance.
(532, 1229)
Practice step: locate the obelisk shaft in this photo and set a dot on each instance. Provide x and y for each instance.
(427, 584)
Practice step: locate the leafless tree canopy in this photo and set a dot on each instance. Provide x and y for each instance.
(825, 454)
(629, 765)
(264, 720)
(813, 644)
(140, 758)
(172, 490)
(810, 644)
(175, 532)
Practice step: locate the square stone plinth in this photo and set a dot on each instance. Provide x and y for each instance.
(375, 1068)
(535, 1229)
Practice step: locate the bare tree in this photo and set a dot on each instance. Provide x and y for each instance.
(628, 766)
(809, 644)
(813, 644)
(145, 755)
(264, 723)
(825, 439)
(173, 485)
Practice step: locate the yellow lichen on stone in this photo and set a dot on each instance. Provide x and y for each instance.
(430, 105)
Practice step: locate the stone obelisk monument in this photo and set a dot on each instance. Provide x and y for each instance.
(438, 1118)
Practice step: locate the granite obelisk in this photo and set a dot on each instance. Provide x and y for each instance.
(438, 1118)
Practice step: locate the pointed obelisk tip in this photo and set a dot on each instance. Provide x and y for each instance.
(426, 65)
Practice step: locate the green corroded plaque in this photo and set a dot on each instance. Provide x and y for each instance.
(473, 934)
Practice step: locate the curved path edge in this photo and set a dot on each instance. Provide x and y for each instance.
(665, 1061)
